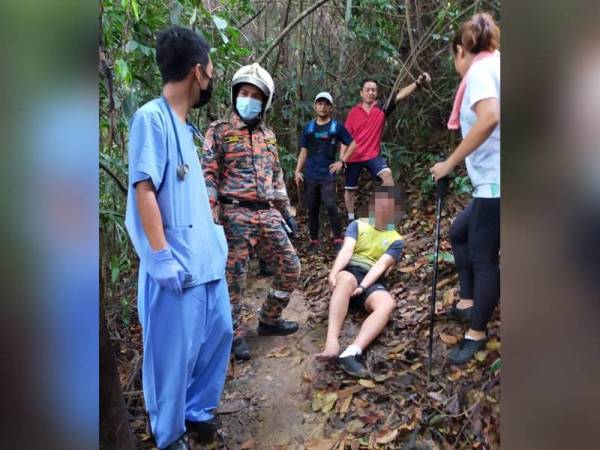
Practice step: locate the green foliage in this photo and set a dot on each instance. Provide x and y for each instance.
(442, 257)
(496, 366)
(462, 184)
(125, 312)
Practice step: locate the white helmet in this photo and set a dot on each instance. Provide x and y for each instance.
(254, 74)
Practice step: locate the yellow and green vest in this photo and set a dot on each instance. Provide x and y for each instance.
(371, 244)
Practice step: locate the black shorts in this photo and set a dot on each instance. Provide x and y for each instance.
(374, 165)
(359, 273)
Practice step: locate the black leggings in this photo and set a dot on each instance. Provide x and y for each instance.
(314, 193)
(475, 239)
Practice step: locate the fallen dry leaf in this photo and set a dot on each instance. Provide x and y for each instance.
(491, 399)
(371, 418)
(307, 377)
(480, 355)
(455, 375)
(343, 393)
(436, 396)
(493, 344)
(421, 261)
(346, 405)
(406, 427)
(449, 295)
(417, 413)
(354, 426)
(452, 406)
(361, 403)
(367, 383)
(416, 366)
(398, 348)
(388, 437)
(329, 401)
(317, 402)
(381, 378)
(448, 338)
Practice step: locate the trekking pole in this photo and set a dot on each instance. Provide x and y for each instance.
(299, 206)
(441, 186)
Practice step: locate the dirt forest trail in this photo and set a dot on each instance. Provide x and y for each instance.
(267, 403)
(270, 387)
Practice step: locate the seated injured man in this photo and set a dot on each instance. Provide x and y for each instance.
(371, 247)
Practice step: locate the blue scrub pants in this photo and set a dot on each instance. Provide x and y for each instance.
(187, 341)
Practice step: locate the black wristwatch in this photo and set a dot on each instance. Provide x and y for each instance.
(343, 164)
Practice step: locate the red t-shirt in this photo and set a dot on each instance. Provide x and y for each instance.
(366, 129)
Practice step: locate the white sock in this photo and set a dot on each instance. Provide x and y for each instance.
(352, 350)
(471, 338)
(350, 216)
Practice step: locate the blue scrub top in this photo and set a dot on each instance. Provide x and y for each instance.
(197, 242)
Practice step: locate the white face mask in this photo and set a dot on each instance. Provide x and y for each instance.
(248, 107)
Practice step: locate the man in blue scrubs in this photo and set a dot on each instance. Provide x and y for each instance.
(183, 302)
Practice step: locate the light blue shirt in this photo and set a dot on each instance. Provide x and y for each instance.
(197, 242)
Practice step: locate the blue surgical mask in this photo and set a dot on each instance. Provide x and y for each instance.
(248, 107)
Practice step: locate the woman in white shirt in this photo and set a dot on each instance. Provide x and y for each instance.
(475, 233)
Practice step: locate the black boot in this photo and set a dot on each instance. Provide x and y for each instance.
(279, 328)
(464, 351)
(353, 365)
(179, 444)
(203, 432)
(240, 349)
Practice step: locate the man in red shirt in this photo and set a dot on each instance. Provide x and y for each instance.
(365, 123)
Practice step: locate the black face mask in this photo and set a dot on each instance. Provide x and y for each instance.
(205, 95)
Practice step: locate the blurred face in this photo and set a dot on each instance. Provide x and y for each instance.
(384, 212)
(249, 90)
(323, 108)
(369, 92)
(384, 208)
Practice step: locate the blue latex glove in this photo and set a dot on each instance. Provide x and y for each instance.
(167, 272)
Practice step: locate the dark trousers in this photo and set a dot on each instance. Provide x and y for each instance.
(316, 192)
(475, 239)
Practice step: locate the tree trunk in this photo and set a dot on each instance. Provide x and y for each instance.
(115, 432)
(343, 49)
(283, 25)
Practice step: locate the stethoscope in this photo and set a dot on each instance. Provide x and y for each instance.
(182, 168)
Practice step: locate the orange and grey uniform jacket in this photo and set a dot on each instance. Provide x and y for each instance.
(243, 165)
